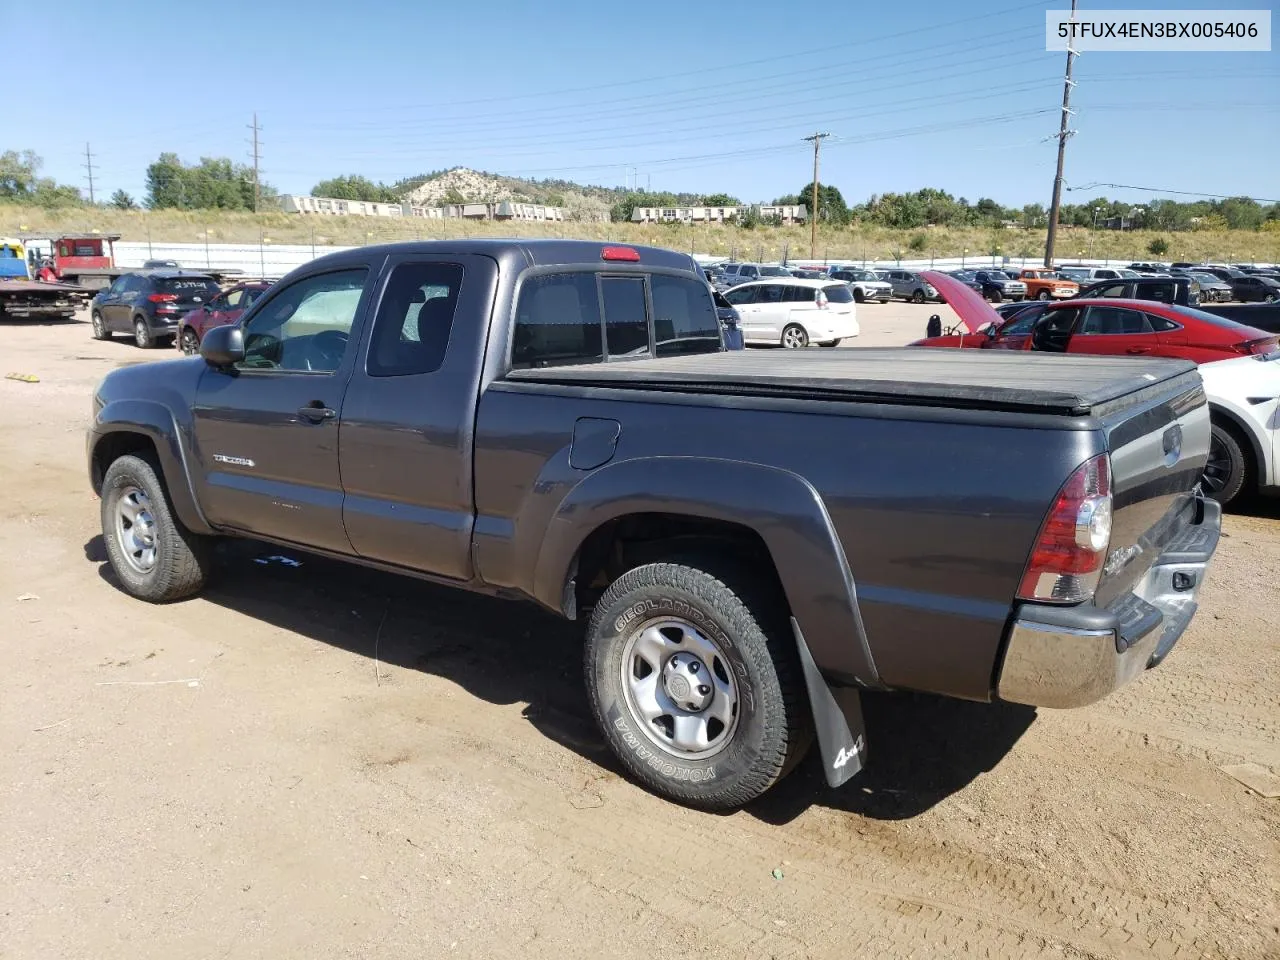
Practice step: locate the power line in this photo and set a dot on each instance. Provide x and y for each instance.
(1063, 134)
(88, 165)
(257, 179)
(1180, 193)
(844, 47)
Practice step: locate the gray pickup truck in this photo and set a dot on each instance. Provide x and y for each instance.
(751, 538)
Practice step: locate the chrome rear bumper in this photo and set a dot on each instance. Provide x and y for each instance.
(1073, 656)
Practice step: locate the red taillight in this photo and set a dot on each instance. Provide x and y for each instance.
(1257, 347)
(620, 253)
(1067, 559)
(163, 297)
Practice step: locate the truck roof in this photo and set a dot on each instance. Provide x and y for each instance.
(533, 252)
(1062, 384)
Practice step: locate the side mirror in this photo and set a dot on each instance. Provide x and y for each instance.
(992, 330)
(223, 346)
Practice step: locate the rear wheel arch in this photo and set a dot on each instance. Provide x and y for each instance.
(722, 502)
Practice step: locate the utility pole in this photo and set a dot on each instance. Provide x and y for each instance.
(817, 139)
(1063, 134)
(88, 165)
(257, 183)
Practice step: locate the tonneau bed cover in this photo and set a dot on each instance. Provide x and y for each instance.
(984, 379)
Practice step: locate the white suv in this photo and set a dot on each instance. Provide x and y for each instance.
(794, 313)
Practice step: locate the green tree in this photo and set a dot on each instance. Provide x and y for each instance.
(719, 200)
(215, 183)
(355, 187)
(1158, 247)
(122, 201)
(918, 242)
(750, 218)
(20, 181)
(19, 174)
(831, 206)
(1241, 213)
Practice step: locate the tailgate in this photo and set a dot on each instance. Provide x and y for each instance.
(1159, 443)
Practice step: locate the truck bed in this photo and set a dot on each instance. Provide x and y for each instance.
(987, 379)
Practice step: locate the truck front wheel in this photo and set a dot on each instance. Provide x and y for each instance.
(152, 554)
(695, 682)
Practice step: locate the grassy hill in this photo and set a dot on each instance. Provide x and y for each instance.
(857, 242)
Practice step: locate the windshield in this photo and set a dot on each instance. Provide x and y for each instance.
(774, 272)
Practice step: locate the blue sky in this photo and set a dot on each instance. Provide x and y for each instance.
(691, 97)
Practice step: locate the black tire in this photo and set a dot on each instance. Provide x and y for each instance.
(1269, 298)
(831, 343)
(917, 297)
(142, 334)
(799, 338)
(182, 558)
(859, 296)
(100, 331)
(1043, 295)
(1226, 474)
(1017, 299)
(996, 295)
(188, 342)
(748, 622)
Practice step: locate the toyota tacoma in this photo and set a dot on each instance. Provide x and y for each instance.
(751, 539)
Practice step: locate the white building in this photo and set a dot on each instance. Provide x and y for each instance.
(787, 213)
(496, 210)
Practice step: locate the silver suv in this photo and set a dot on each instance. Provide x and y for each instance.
(909, 285)
(736, 273)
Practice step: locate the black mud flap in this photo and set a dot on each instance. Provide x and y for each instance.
(837, 719)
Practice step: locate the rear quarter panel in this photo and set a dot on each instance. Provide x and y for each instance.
(936, 511)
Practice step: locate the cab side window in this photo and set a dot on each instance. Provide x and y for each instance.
(305, 327)
(415, 318)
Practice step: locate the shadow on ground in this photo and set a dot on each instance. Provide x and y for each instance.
(922, 748)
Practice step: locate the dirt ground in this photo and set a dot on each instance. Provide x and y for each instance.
(320, 761)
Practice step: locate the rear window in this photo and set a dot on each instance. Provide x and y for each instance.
(558, 318)
(189, 286)
(1244, 331)
(774, 272)
(838, 293)
(557, 321)
(684, 318)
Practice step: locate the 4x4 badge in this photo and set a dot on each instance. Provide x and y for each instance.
(234, 461)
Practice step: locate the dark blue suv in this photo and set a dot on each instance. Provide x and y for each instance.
(149, 304)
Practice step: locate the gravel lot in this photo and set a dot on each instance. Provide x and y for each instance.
(323, 762)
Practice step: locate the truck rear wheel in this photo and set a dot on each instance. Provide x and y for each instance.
(696, 687)
(152, 554)
(100, 331)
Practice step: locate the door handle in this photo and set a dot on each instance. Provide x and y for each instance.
(316, 412)
(1139, 350)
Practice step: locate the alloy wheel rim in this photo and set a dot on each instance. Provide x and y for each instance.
(679, 688)
(792, 338)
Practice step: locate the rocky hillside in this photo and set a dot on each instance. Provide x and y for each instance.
(463, 185)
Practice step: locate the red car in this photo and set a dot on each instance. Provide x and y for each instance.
(1112, 326)
(223, 309)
